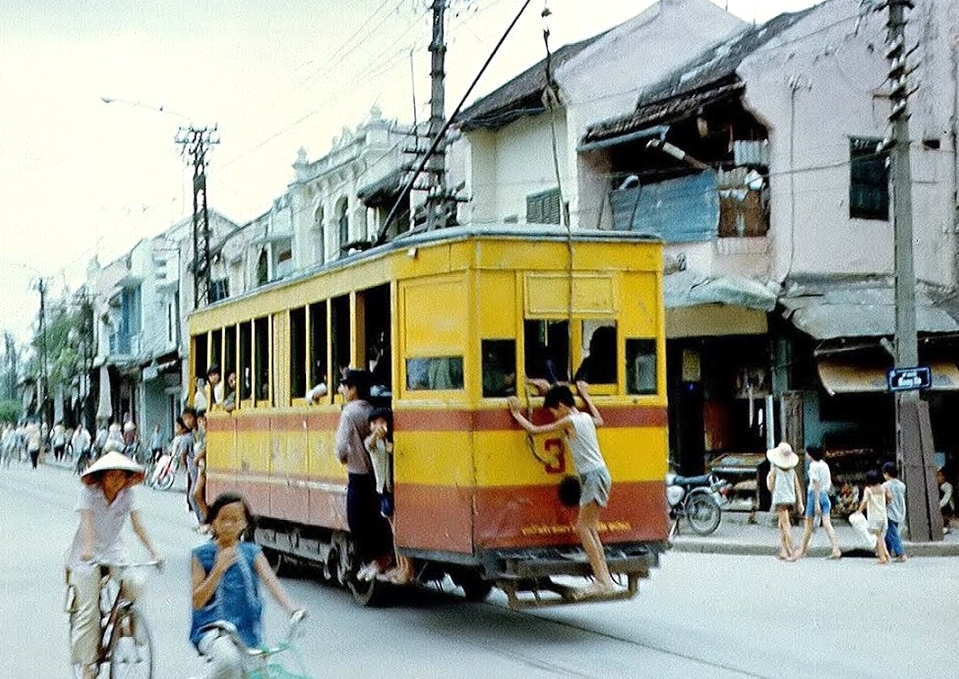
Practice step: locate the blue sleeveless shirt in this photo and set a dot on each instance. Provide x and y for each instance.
(237, 597)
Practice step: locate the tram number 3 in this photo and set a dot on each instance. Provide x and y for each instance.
(556, 450)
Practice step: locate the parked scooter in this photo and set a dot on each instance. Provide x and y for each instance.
(697, 498)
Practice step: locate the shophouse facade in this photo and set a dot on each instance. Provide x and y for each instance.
(778, 222)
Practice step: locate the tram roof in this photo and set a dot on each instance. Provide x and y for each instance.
(523, 232)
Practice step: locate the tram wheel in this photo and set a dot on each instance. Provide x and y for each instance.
(364, 591)
(474, 587)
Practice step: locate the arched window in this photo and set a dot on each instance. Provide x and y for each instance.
(262, 268)
(343, 223)
(319, 236)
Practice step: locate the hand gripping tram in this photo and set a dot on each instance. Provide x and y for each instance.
(449, 323)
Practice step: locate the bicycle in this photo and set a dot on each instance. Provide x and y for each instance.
(126, 644)
(162, 473)
(261, 660)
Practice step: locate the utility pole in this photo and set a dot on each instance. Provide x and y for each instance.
(437, 200)
(42, 381)
(195, 142)
(914, 445)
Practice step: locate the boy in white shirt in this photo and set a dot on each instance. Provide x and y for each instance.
(895, 510)
(818, 504)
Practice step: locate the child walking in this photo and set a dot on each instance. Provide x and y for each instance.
(783, 483)
(225, 577)
(895, 510)
(818, 504)
(579, 428)
(874, 500)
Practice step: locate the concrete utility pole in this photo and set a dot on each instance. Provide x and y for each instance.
(42, 381)
(437, 199)
(196, 142)
(914, 445)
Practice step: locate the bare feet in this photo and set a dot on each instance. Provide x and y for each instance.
(594, 589)
(835, 555)
(901, 558)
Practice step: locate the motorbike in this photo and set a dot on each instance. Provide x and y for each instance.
(698, 499)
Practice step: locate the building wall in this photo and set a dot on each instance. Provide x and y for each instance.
(605, 79)
(824, 81)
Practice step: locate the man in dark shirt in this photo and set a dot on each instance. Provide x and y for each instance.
(369, 529)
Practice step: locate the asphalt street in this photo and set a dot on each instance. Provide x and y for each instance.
(700, 615)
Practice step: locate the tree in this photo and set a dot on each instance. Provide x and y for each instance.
(9, 410)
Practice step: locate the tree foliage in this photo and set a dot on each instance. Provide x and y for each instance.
(9, 410)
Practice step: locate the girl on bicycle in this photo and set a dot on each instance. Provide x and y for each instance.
(226, 574)
(106, 501)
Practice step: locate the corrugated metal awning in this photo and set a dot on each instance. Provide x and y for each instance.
(827, 310)
(692, 288)
(849, 377)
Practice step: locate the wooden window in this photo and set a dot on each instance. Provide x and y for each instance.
(499, 367)
(641, 366)
(319, 341)
(340, 334)
(868, 180)
(245, 376)
(543, 207)
(261, 360)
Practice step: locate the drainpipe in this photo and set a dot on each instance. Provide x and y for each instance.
(954, 133)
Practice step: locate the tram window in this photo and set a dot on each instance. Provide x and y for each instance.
(297, 352)
(245, 361)
(377, 322)
(547, 352)
(641, 366)
(216, 348)
(200, 346)
(261, 358)
(499, 367)
(229, 352)
(434, 374)
(318, 343)
(599, 353)
(341, 333)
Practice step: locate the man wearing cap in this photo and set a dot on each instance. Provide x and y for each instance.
(106, 501)
(362, 501)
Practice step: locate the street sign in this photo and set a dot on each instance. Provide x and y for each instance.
(909, 379)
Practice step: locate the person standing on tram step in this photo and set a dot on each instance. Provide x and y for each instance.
(783, 483)
(579, 429)
(367, 526)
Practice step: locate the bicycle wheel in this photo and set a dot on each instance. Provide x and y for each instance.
(703, 513)
(131, 647)
(165, 482)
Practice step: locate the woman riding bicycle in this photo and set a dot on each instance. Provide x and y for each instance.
(106, 500)
(225, 576)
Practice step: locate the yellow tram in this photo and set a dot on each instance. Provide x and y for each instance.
(449, 323)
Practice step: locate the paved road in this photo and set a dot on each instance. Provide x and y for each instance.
(699, 616)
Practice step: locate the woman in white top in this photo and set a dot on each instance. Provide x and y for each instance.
(818, 504)
(106, 502)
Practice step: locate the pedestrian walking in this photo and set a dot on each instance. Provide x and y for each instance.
(58, 440)
(783, 483)
(34, 439)
(895, 510)
(818, 504)
(874, 501)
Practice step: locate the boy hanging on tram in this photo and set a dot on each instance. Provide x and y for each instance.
(579, 429)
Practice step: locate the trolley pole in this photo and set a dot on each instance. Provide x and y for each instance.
(914, 445)
(195, 142)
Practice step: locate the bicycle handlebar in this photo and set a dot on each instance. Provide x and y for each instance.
(230, 630)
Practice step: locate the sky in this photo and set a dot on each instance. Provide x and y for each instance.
(81, 178)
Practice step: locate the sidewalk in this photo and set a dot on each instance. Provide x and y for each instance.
(736, 535)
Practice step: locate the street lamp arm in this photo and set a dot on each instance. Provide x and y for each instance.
(140, 104)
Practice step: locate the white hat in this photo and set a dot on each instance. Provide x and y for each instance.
(129, 426)
(782, 456)
(116, 461)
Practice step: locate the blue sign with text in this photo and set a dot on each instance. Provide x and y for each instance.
(909, 379)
